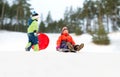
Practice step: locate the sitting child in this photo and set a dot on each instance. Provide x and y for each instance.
(65, 41)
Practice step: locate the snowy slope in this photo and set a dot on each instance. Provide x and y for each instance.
(91, 61)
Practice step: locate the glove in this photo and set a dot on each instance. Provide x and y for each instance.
(34, 31)
(57, 48)
(35, 34)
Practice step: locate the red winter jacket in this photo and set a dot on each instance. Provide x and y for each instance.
(65, 37)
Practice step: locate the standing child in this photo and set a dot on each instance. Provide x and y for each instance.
(32, 33)
(65, 41)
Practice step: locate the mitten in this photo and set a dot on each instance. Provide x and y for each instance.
(57, 48)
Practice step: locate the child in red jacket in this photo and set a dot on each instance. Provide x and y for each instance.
(65, 41)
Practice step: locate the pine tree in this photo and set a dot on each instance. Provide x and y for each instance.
(100, 36)
(42, 27)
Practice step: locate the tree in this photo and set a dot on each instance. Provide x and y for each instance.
(100, 37)
(2, 12)
(42, 27)
(69, 19)
(78, 31)
(49, 18)
(19, 13)
(112, 8)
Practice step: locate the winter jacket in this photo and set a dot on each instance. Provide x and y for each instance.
(33, 27)
(66, 38)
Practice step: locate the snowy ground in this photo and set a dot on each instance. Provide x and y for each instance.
(91, 61)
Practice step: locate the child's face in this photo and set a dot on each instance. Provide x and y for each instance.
(65, 31)
(38, 17)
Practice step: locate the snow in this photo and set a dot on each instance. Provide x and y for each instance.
(92, 61)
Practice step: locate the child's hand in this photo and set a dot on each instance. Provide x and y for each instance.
(57, 48)
(35, 34)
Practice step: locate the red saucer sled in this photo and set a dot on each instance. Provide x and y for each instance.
(43, 41)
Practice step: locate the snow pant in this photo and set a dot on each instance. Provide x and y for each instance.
(64, 45)
(32, 41)
(68, 45)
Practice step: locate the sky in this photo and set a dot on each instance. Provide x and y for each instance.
(56, 7)
(92, 61)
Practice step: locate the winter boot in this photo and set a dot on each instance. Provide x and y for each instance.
(28, 46)
(70, 46)
(79, 47)
(36, 47)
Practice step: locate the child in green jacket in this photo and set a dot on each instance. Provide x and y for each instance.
(32, 33)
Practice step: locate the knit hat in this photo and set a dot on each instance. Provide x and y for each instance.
(64, 28)
(35, 15)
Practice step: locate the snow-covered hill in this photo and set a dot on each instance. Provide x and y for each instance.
(91, 61)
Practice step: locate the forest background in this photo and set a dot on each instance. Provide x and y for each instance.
(96, 17)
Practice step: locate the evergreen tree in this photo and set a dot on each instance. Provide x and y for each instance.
(49, 18)
(100, 36)
(78, 31)
(42, 27)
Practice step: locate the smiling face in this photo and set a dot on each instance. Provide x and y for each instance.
(65, 30)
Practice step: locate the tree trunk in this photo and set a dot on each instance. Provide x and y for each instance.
(2, 15)
(107, 23)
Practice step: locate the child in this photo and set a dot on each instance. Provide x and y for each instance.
(65, 41)
(32, 33)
